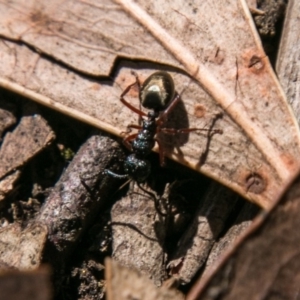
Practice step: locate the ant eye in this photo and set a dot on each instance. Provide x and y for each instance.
(157, 91)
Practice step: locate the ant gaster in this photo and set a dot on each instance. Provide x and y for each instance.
(157, 94)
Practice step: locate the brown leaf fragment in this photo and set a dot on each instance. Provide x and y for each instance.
(78, 196)
(138, 234)
(31, 136)
(126, 283)
(7, 184)
(209, 221)
(87, 32)
(33, 285)
(265, 263)
(22, 248)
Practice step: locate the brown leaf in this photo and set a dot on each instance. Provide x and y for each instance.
(7, 184)
(31, 136)
(125, 283)
(22, 248)
(34, 285)
(63, 44)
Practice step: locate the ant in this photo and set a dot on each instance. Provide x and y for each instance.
(157, 94)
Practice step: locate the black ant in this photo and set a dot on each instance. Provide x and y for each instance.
(157, 93)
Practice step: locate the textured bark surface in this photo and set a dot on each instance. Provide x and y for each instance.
(78, 196)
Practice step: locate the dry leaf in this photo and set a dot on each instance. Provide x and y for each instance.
(7, 184)
(127, 283)
(52, 53)
(31, 136)
(22, 248)
(33, 285)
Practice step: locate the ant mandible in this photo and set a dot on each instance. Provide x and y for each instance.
(157, 93)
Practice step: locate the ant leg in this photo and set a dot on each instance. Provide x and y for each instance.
(114, 175)
(123, 100)
(161, 153)
(165, 113)
(129, 129)
(126, 141)
(174, 131)
(135, 126)
(156, 201)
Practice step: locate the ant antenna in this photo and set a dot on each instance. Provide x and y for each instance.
(155, 199)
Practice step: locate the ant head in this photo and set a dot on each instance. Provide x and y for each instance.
(157, 91)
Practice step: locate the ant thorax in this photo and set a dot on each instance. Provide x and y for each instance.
(144, 142)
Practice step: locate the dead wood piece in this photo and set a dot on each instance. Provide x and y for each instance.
(209, 221)
(127, 283)
(265, 264)
(31, 136)
(138, 234)
(80, 193)
(33, 285)
(22, 248)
